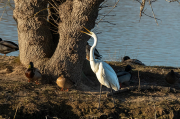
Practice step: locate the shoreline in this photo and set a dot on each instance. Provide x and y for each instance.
(27, 100)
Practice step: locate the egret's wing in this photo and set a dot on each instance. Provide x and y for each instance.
(107, 66)
(109, 76)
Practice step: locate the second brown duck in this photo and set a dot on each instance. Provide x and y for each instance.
(64, 83)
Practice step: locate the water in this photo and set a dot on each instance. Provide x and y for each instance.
(8, 28)
(144, 40)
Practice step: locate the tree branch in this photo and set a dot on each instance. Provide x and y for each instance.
(151, 16)
(56, 8)
(153, 12)
(142, 8)
(173, 1)
(108, 22)
(108, 12)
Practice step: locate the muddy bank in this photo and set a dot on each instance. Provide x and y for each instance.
(21, 99)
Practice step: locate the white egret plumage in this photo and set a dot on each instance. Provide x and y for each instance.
(104, 72)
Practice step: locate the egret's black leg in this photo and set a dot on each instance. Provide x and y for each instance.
(100, 95)
(112, 94)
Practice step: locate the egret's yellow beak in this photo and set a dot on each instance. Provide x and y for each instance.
(88, 33)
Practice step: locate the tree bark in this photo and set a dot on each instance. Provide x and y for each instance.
(38, 44)
(34, 36)
(53, 17)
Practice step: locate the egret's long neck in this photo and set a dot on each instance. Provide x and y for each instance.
(92, 58)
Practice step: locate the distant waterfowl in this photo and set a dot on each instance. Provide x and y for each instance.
(7, 47)
(64, 83)
(124, 76)
(96, 53)
(104, 72)
(126, 59)
(172, 77)
(33, 74)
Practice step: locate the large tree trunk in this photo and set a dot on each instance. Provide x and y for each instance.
(38, 44)
(53, 18)
(34, 36)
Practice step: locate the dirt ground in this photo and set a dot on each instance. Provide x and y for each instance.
(22, 100)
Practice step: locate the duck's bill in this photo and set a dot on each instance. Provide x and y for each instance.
(88, 33)
(29, 66)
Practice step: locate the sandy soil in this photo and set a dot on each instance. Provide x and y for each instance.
(155, 99)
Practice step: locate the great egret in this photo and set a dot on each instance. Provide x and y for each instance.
(96, 53)
(104, 72)
(7, 47)
(64, 83)
(126, 59)
(33, 74)
(124, 76)
(172, 77)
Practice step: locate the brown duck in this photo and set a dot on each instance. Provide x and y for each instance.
(33, 74)
(64, 83)
(172, 77)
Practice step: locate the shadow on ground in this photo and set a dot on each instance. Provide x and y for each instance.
(37, 101)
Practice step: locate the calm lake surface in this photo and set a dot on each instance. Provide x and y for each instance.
(144, 40)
